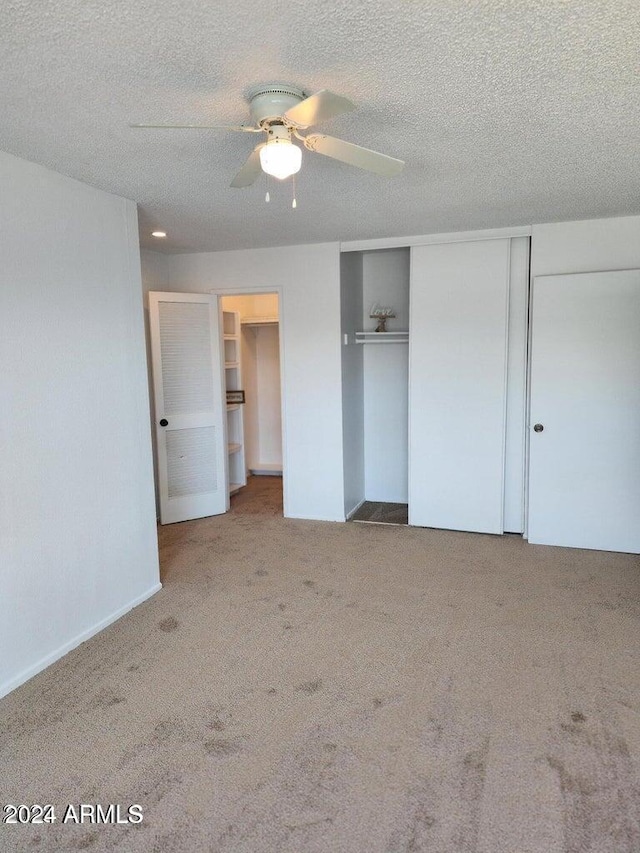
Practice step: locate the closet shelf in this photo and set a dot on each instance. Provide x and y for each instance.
(258, 321)
(400, 337)
(236, 469)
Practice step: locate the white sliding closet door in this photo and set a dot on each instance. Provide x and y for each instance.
(190, 408)
(584, 480)
(457, 384)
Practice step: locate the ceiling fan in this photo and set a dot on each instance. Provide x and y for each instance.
(281, 112)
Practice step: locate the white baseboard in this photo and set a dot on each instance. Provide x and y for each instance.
(353, 511)
(266, 470)
(313, 517)
(46, 661)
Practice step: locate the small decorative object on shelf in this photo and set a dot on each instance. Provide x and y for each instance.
(235, 397)
(381, 314)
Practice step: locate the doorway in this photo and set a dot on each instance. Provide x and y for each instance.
(255, 425)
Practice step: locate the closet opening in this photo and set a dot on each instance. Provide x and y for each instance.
(375, 371)
(251, 338)
(382, 512)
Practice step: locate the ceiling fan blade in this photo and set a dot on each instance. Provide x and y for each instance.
(319, 107)
(250, 171)
(354, 155)
(239, 127)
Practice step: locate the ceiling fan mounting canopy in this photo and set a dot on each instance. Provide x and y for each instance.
(270, 103)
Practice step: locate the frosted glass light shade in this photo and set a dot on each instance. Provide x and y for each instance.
(280, 158)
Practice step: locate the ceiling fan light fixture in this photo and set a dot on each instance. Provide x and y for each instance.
(281, 111)
(280, 158)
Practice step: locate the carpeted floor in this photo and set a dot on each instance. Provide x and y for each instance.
(377, 512)
(309, 687)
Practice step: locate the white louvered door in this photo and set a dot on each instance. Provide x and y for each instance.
(190, 405)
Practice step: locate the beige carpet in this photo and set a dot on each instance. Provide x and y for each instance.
(308, 687)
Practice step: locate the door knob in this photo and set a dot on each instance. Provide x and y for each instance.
(164, 422)
(536, 428)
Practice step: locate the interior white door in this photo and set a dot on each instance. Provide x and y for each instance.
(584, 478)
(457, 384)
(190, 406)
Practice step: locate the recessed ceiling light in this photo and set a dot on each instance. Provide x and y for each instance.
(158, 233)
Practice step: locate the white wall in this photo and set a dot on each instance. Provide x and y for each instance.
(385, 279)
(592, 245)
(352, 380)
(155, 275)
(250, 383)
(269, 456)
(308, 281)
(78, 536)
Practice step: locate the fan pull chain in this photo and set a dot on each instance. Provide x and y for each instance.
(267, 197)
(294, 203)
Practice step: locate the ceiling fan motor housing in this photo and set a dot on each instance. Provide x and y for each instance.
(270, 103)
(278, 133)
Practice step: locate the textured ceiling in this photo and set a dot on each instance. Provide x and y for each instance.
(507, 112)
